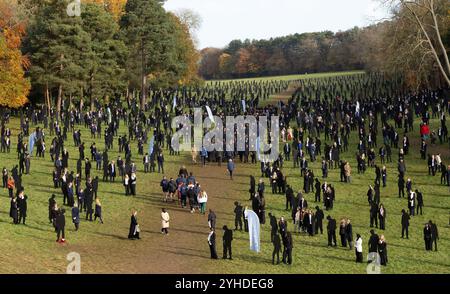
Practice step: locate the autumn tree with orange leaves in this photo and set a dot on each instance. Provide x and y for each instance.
(14, 87)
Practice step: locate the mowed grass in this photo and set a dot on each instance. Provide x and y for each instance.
(289, 77)
(104, 248)
(311, 255)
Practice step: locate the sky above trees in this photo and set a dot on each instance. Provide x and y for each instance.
(224, 21)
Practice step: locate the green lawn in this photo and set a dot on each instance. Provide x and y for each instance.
(104, 248)
(291, 77)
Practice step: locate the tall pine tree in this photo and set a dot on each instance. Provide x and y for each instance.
(60, 51)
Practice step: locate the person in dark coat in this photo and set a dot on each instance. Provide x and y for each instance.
(289, 197)
(288, 245)
(60, 224)
(51, 205)
(419, 199)
(252, 189)
(405, 223)
(373, 214)
(382, 217)
(212, 243)
(273, 226)
(434, 235)
(88, 200)
(382, 251)
(427, 236)
(319, 216)
(14, 210)
(317, 186)
(211, 219)
(331, 229)
(227, 238)
(349, 233)
(76, 217)
(98, 211)
(22, 206)
(276, 248)
(133, 233)
(373, 242)
(238, 213)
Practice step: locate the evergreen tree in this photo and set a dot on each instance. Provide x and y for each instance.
(60, 51)
(106, 74)
(148, 34)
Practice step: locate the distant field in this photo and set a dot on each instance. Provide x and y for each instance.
(293, 77)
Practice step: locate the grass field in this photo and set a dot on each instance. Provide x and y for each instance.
(291, 77)
(105, 249)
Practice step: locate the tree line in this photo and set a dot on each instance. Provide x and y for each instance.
(114, 47)
(414, 42)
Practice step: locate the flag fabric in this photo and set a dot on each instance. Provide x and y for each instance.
(257, 148)
(151, 143)
(253, 230)
(174, 102)
(210, 115)
(31, 142)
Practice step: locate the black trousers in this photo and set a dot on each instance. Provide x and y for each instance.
(238, 223)
(332, 238)
(287, 255)
(373, 219)
(59, 232)
(359, 256)
(22, 218)
(405, 230)
(212, 249)
(226, 249)
(319, 227)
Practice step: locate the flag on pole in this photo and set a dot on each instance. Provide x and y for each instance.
(257, 148)
(151, 144)
(210, 115)
(174, 102)
(253, 230)
(31, 142)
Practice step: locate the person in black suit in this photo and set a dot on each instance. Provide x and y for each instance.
(289, 197)
(382, 251)
(273, 226)
(238, 216)
(373, 214)
(319, 216)
(276, 241)
(373, 242)
(382, 217)
(349, 234)
(112, 171)
(133, 233)
(212, 243)
(317, 186)
(288, 245)
(434, 235)
(419, 198)
(60, 224)
(227, 238)
(427, 236)
(252, 189)
(51, 205)
(22, 205)
(76, 217)
(331, 229)
(405, 223)
(88, 200)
